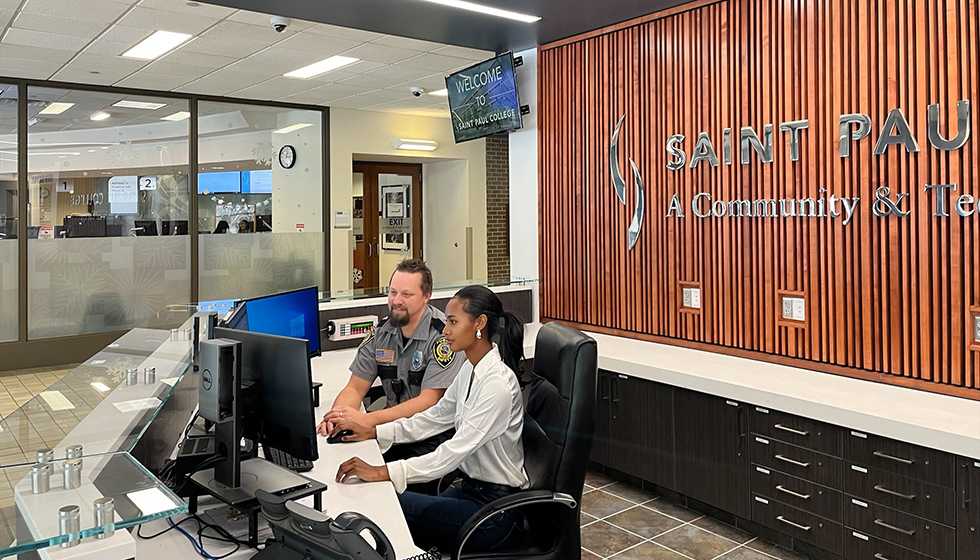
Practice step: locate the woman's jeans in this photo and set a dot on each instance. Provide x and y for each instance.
(435, 520)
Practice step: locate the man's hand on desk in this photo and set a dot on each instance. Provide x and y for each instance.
(337, 414)
(357, 467)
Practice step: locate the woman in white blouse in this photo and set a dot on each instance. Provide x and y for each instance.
(484, 405)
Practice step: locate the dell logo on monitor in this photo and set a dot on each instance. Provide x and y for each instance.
(206, 379)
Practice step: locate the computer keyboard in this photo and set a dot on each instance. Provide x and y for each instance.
(286, 460)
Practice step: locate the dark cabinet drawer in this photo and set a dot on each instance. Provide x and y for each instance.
(968, 509)
(922, 535)
(797, 461)
(906, 459)
(799, 493)
(902, 493)
(797, 430)
(860, 546)
(798, 524)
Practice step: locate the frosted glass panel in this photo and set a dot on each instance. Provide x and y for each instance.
(8, 290)
(256, 264)
(103, 284)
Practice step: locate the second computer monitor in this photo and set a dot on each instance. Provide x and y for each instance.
(277, 394)
(295, 314)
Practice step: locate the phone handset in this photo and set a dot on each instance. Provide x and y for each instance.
(347, 528)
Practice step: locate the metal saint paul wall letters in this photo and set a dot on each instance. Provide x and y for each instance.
(895, 131)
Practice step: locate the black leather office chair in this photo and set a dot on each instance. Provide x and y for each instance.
(557, 436)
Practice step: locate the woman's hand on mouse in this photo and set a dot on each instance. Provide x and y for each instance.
(357, 467)
(358, 432)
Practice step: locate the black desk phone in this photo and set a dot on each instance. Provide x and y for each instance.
(301, 532)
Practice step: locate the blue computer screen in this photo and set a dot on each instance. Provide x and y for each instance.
(294, 314)
(219, 182)
(257, 182)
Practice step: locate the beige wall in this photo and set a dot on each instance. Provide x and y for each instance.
(367, 134)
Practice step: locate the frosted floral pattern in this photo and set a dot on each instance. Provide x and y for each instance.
(87, 285)
(8, 290)
(250, 265)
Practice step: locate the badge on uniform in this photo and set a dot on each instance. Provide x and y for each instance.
(384, 356)
(442, 353)
(367, 338)
(417, 360)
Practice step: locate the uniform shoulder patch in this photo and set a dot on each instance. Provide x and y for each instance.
(367, 338)
(441, 352)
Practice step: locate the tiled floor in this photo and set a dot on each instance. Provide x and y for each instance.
(620, 522)
(18, 387)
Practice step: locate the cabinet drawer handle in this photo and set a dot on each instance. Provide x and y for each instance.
(893, 458)
(881, 523)
(788, 522)
(791, 493)
(792, 462)
(790, 430)
(881, 488)
(880, 556)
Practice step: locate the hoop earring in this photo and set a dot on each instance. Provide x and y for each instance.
(479, 335)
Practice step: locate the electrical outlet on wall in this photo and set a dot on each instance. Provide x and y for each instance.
(686, 297)
(788, 307)
(799, 309)
(696, 298)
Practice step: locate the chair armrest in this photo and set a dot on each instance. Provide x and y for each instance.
(517, 500)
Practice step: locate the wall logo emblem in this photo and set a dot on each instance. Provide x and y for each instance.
(620, 185)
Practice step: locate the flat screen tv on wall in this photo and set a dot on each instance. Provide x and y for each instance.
(483, 99)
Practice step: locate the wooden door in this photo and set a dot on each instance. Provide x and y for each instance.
(374, 244)
(968, 514)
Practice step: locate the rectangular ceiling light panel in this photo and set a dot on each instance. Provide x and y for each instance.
(139, 105)
(488, 10)
(322, 67)
(56, 108)
(161, 42)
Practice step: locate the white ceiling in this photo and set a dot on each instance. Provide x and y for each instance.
(234, 53)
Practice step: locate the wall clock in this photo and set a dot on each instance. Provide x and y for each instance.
(287, 156)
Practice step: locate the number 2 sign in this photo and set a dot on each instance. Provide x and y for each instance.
(148, 183)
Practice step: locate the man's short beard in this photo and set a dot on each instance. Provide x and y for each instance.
(398, 320)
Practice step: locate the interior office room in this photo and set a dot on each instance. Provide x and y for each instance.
(742, 238)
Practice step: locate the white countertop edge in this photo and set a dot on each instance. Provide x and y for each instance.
(942, 422)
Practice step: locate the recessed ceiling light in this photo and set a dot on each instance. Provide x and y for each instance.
(217, 167)
(91, 151)
(139, 105)
(440, 92)
(178, 116)
(463, 5)
(56, 108)
(100, 116)
(100, 386)
(325, 65)
(291, 128)
(157, 44)
(104, 148)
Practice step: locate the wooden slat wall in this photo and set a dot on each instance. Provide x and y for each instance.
(887, 298)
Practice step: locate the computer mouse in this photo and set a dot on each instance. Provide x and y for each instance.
(338, 437)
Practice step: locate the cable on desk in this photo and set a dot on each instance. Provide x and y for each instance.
(197, 546)
(431, 554)
(155, 535)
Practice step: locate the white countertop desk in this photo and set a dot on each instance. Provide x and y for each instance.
(376, 500)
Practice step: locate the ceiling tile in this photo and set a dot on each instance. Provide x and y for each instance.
(103, 46)
(180, 6)
(406, 43)
(225, 81)
(146, 80)
(330, 92)
(323, 45)
(30, 71)
(384, 96)
(35, 53)
(273, 89)
(43, 39)
(237, 48)
(5, 17)
(81, 73)
(191, 58)
(437, 62)
(179, 22)
(343, 32)
(255, 35)
(103, 11)
(126, 34)
(11, 63)
(398, 73)
(380, 53)
(171, 69)
(9, 4)
(429, 83)
(465, 52)
(281, 59)
(351, 103)
(370, 81)
(112, 63)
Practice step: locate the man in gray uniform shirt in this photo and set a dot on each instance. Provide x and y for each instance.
(408, 351)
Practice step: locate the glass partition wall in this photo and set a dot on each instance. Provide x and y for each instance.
(259, 199)
(9, 210)
(108, 209)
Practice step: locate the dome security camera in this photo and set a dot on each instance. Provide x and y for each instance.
(279, 23)
(417, 91)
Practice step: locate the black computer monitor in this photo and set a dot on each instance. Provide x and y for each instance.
(144, 227)
(276, 407)
(295, 313)
(174, 227)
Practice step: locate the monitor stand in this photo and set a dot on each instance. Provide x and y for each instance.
(258, 473)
